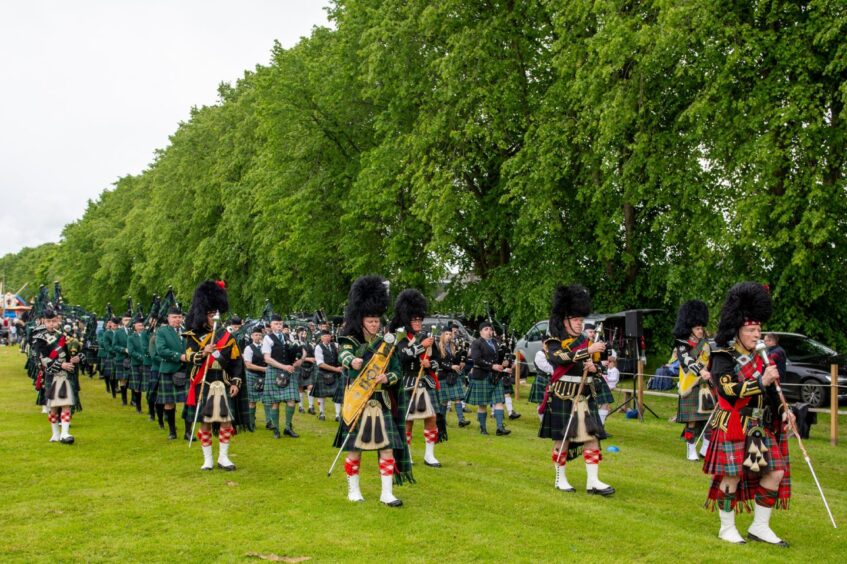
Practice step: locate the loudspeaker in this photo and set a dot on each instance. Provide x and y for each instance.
(634, 328)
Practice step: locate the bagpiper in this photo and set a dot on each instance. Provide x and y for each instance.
(418, 370)
(381, 426)
(450, 361)
(254, 362)
(748, 455)
(328, 377)
(216, 374)
(691, 350)
(61, 382)
(282, 358)
(136, 345)
(569, 395)
(170, 349)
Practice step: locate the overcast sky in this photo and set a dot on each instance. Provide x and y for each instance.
(90, 88)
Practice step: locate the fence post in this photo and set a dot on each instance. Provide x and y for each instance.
(516, 371)
(640, 370)
(833, 424)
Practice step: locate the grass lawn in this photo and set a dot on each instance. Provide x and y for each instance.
(125, 493)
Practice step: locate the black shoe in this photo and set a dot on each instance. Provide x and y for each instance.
(152, 417)
(300, 409)
(311, 411)
(604, 492)
(290, 433)
(186, 436)
(395, 503)
(503, 432)
(276, 433)
(514, 415)
(433, 464)
(483, 432)
(161, 425)
(227, 468)
(464, 423)
(752, 537)
(69, 440)
(337, 419)
(269, 426)
(171, 436)
(321, 417)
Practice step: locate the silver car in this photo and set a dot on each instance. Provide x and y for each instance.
(528, 346)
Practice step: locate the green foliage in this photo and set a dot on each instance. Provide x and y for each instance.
(655, 151)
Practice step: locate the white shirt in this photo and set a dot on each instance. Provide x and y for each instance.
(247, 353)
(542, 362)
(319, 353)
(268, 342)
(613, 376)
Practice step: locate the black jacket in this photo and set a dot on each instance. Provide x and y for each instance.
(484, 357)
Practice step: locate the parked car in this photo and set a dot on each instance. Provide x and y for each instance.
(460, 332)
(808, 369)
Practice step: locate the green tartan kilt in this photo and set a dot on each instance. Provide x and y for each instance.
(339, 389)
(305, 375)
(135, 377)
(252, 395)
(152, 380)
(395, 440)
(145, 377)
(106, 368)
(483, 392)
(602, 392)
(275, 394)
(189, 410)
(557, 414)
(536, 392)
(168, 393)
(456, 392)
(686, 409)
(321, 389)
(121, 372)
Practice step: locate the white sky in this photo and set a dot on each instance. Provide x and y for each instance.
(89, 88)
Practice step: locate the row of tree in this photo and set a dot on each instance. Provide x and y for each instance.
(655, 151)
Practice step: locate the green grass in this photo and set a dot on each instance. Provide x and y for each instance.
(124, 492)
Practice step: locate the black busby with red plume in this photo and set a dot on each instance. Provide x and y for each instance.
(410, 303)
(368, 297)
(693, 313)
(746, 303)
(568, 301)
(209, 296)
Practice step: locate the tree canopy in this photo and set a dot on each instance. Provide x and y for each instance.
(655, 151)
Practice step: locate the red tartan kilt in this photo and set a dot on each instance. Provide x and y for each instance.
(725, 457)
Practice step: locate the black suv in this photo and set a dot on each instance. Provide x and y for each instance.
(807, 370)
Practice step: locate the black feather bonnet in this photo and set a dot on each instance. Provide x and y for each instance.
(209, 296)
(747, 303)
(568, 301)
(368, 297)
(410, 303)
(692, 313)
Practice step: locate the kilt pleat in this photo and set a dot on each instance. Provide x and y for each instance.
(277, 394)
(483, 392)
(168, 393)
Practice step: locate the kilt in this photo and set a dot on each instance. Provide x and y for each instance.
(725, 458)
(135, 377)
(188, 410)
(275, 394)
(168, 393)
(686, 410)
(340, 389)
(394, 438)
(252, 395)
(320, 389)
(483, 392)
(556, 416)
(305, 375)
(106, 368)
(145, 378)
(121, 372)
(536, 392)
(456, 392)
(602, 393)
(153, 380)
